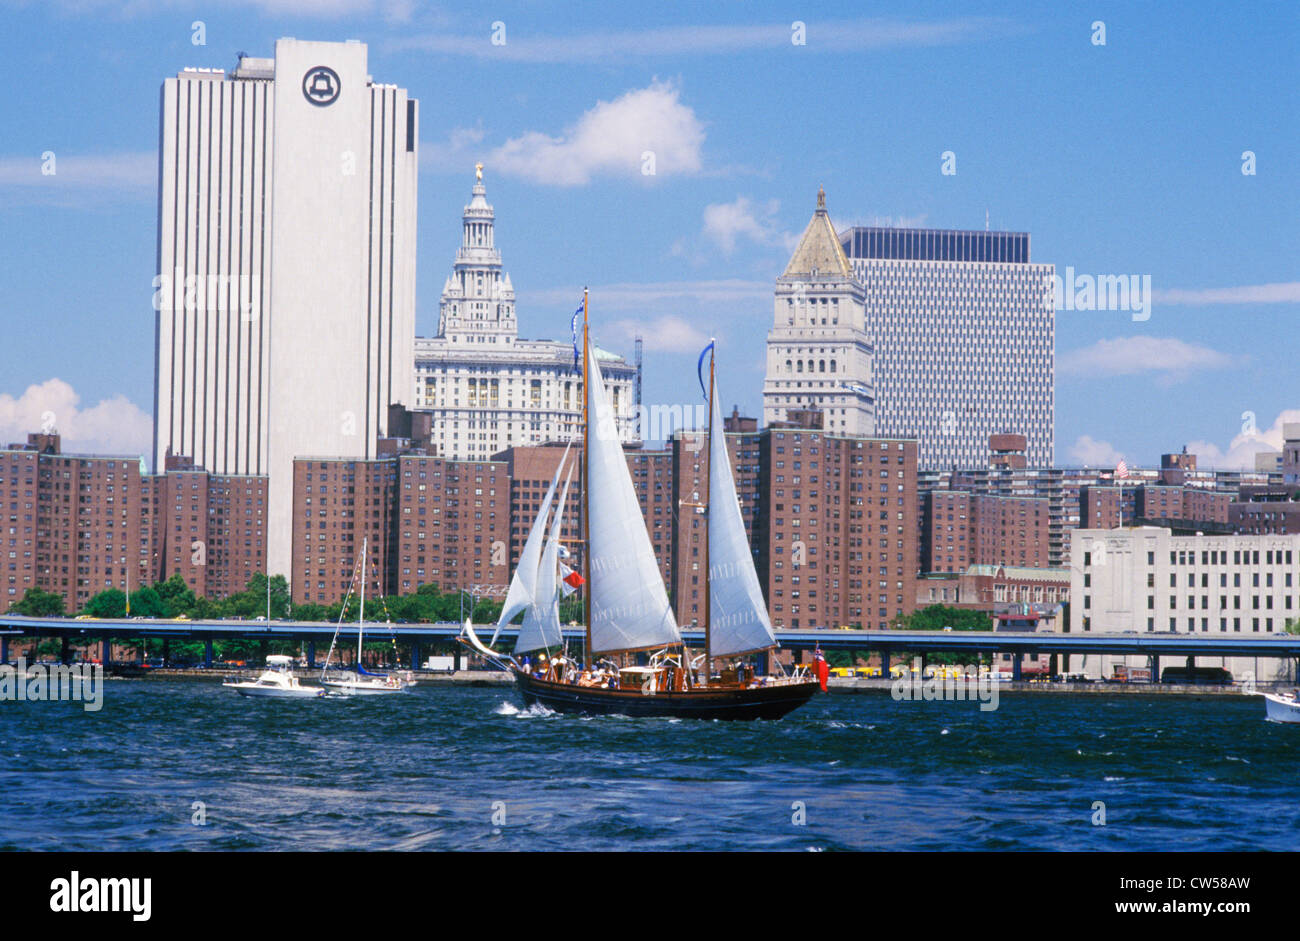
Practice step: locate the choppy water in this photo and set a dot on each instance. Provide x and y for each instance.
(427, 770)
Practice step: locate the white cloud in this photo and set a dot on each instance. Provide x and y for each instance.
(845, 36)
(1240, 452)
(1171, 358)
(78, 180)
(457, 154)
(112, 426)
(668, 334)
(1090, 452)
(727, 223)
(611, 139)
(1284, 292)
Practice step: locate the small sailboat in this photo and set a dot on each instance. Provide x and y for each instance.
(1282, 707)
(637, 663)
(360, 682)
(277, 681)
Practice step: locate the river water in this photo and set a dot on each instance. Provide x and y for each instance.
(177, 764)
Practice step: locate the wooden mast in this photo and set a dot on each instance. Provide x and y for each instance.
(586, 490)
(708, 512)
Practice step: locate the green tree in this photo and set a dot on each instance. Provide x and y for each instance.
(38, 603)
(936, 617)
(109, 603)
(177, 597)
(145, 603)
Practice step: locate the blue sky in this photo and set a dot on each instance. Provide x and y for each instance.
(1123, 158)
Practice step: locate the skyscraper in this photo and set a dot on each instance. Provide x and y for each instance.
(286, 265)
(485, 388)
(819, 355)
(963, 331)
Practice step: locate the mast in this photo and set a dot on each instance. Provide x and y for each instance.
(586, 488)
(362, 616)
(708, 498)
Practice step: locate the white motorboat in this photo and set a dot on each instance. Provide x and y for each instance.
(276, 682)
(360, 682)
(1281, 707)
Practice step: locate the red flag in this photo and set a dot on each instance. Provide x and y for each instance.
(574, 580)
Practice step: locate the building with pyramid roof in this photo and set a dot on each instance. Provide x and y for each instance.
(819, 357)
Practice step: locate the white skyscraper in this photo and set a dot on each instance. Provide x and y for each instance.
(963, 331)
(286, 260)
(487, 389)
(818, 353)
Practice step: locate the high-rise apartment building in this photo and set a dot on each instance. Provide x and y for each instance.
(286, 265)
(963, 332)
(486, 389)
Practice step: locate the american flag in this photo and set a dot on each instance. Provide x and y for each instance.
(1121, 469)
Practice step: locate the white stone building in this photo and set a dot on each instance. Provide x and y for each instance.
(487, 389)
(818, 353)
(1148, 580)
(285, 294)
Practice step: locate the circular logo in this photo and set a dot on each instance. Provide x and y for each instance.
(321, 85)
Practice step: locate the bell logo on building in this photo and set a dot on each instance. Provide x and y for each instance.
(320, 85)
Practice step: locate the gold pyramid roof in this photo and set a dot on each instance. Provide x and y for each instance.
(819, 248)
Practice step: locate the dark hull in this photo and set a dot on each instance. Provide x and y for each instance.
(771, 702)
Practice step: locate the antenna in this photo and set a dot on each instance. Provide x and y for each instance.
(638, 345)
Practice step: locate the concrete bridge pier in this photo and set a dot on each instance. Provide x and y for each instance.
(1015, 667)
(884, 664)
(415, 655)
(1155, 669)
(311, 655)
(4, 648)
(207, 653)
(65, 655)
(456, 663)
(105, 651)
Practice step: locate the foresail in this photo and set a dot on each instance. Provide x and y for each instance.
(738, 621)
(629, 606)
(523, 584)
(541, 627)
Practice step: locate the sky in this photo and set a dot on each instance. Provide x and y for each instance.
(1157, 140)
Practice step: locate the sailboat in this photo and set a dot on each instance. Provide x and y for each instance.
(628, 615)
(360, 682)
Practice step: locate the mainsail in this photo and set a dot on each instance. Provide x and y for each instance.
(523, 585)
(738, 621)
(541, 627)
(629, 606)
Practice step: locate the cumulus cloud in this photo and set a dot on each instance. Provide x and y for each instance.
(1249, 441)
(1172, 359)
(112, 426)
(612, 139)
(458, 153)
(1090, 452)
(725, 224)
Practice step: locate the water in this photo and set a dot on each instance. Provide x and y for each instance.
(427, 770)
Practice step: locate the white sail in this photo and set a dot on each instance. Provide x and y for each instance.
(523, 584)
(629, 606)
(541, 627)
(738, 621)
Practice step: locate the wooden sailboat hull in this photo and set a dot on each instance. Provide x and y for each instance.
(769, 702)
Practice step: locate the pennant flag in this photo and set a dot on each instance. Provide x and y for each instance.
(573, 330)
(699, 368)
(571, 580)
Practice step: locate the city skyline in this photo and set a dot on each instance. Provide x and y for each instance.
(730, 191)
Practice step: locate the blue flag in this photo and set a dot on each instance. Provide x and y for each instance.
(699, 369)
(573, 329)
